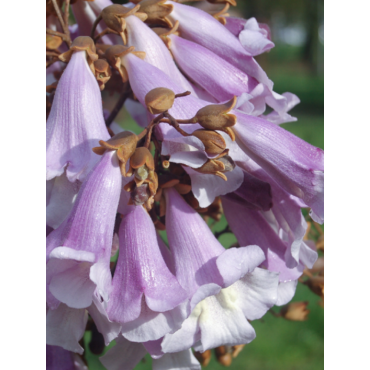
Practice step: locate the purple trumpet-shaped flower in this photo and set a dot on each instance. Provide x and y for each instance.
(286, 218)
(217, 38)
(145, 296)
(65, 327)
(78, 251)
(226, 286)
(75, 124)
(295, 165)
(222, 80)
(156, 53)
(250, 227)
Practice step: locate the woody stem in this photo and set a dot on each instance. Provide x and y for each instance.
(124, 95)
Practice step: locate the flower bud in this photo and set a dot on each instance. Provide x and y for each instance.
(125, 143)
(223, 355)
(203, 358)
(217, 166)
(114, 17)
(53, 42)
(214, 143)
(159, 100)
(115, 55)
(102, 72)
(216, 117)
(157, 12)
(295, 311)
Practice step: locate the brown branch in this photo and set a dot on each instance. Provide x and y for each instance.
(66, 38)
(52, 54)
(56, 33)
(66, 18)
(124, 95)
(96, 22)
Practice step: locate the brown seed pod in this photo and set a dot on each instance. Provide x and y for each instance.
(159, 100)
(214, 143)
(216, 117)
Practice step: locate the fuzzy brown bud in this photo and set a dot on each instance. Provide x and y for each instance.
(102, 72)
(216, 117)
(295, 311)
(159, 100)
(125, 143)
(53, 42)
(203, 358)
(213, 142)
(217, 166)
(157, 11)
(223, 355)
(115, 56)
(114, 17)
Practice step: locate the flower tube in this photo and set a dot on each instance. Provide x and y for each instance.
(78, 251)
(75, 124)
(145, 296)
(217, 38)
(221, 282)
(295, 165)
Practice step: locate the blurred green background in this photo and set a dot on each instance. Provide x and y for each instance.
(295, 65)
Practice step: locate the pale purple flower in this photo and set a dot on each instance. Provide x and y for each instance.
(65, 327)
(216, 38)
(58, 358)
(78, 251)
(295, 165)
(223, 284)
(60, 197)
(145, 297)
(156, 53)
(255, 38)
(75, 124)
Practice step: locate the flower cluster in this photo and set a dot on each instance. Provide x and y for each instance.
(207, 148)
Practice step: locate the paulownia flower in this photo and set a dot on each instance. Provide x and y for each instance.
(75, 124)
